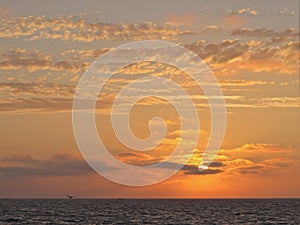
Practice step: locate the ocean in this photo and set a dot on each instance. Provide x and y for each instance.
(149, 211)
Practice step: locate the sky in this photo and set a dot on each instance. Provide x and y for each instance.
(252, 47)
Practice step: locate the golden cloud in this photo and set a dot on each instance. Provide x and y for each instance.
(19, 59)
(243, 11)
(78, 29)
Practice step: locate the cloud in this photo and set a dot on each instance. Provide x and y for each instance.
(17, 59)
(211, 29)
(247, 167)
(237, 18)
(256, 151)
(49, 97)
(85, 54)
(66, 164)
(255, 103)
(79, 29)
(26, 158)
(38, 105)
(262, 147)
(238, 161)
(242, 11)
(243, 83)
(137, 159)
(278, 52)
(37, 89)
(279, 102)
(267, 33)
(286, 12)
(194, 170)
(228, 57)
(231, 56)
(214, 53)
(278, 163)
(16, 96)
(62, 164)
(188, 169)
(256, 159)
(20, 58)
(256, 169)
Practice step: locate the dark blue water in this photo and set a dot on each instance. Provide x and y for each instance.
(154, 211)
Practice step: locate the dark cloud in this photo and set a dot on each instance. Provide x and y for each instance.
(256, 169)
(194, 170)
(216, 164)
(66, 164)
(142, 160)
(57, 165)
(20, 159)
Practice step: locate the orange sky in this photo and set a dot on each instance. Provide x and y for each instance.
(44, 54)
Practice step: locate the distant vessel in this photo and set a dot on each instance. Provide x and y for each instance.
(70, 196)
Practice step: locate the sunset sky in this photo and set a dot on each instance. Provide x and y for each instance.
(252, 47)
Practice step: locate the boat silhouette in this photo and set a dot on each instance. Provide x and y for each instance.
(70, 196)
